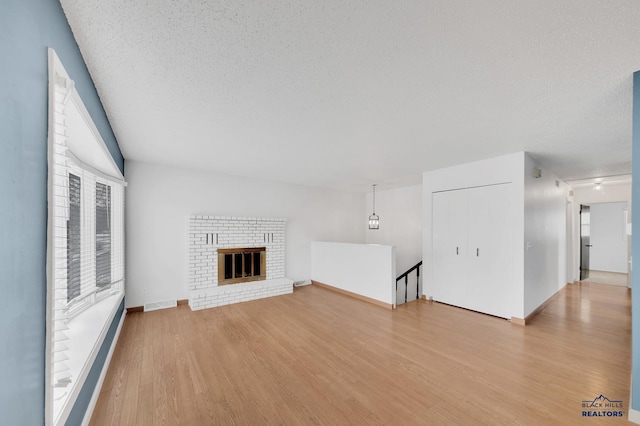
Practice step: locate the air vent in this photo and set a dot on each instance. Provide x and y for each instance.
(160, 305)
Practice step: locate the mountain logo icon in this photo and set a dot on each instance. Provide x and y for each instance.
(599, 401)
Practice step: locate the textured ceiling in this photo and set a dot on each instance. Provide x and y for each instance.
(343, 94)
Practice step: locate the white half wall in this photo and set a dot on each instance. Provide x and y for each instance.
(608, 237)
(160, 199)
(364, 269)
(545, 235)
(400, 211)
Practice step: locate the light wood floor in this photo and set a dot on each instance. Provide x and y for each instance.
(318, 357)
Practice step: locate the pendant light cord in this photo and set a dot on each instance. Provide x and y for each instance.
(374, 198)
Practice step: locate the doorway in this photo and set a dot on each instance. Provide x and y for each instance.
(604, 243)
(585, 240)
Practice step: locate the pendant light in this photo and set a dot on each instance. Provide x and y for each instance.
(374, 220)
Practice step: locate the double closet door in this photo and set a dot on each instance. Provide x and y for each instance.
(473, 248)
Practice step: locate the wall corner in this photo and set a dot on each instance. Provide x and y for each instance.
(635, 245)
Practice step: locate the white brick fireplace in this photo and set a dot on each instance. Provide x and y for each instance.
(207, 234)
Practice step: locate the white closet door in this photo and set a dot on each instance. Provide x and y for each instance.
(450, 247)
(489, 239)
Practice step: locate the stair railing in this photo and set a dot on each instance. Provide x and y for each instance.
(405, 275)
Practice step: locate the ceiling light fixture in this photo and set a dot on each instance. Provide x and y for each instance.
(374, 220)
(597, 186)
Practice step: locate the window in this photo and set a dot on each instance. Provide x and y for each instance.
(85, 252)
(103, 235)
(93, 247)
(73, 239)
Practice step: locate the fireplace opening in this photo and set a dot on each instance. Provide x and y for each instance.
(239, 265)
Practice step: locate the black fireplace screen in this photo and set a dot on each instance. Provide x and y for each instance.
(241, 265)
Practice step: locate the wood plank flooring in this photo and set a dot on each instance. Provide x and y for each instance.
(319, 357)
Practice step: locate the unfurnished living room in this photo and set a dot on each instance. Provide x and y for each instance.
(281, 212)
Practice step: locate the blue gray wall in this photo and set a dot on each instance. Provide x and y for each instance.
(27, 28)
(635, 250)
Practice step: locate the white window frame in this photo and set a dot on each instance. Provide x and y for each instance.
(78, 342)
(86, 299)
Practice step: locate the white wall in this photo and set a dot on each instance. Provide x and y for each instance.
(367, 270)
(610, 193)
(507, 168)
(160, 200)
(400, 211)
(545, 235)
(539, 224)
(608, 237)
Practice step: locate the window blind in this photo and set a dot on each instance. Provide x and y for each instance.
(74, 261)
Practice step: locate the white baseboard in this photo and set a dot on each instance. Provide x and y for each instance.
(103, 373)
(634, 416)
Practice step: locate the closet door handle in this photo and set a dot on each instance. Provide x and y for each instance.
(477, 252)
(456, 251)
